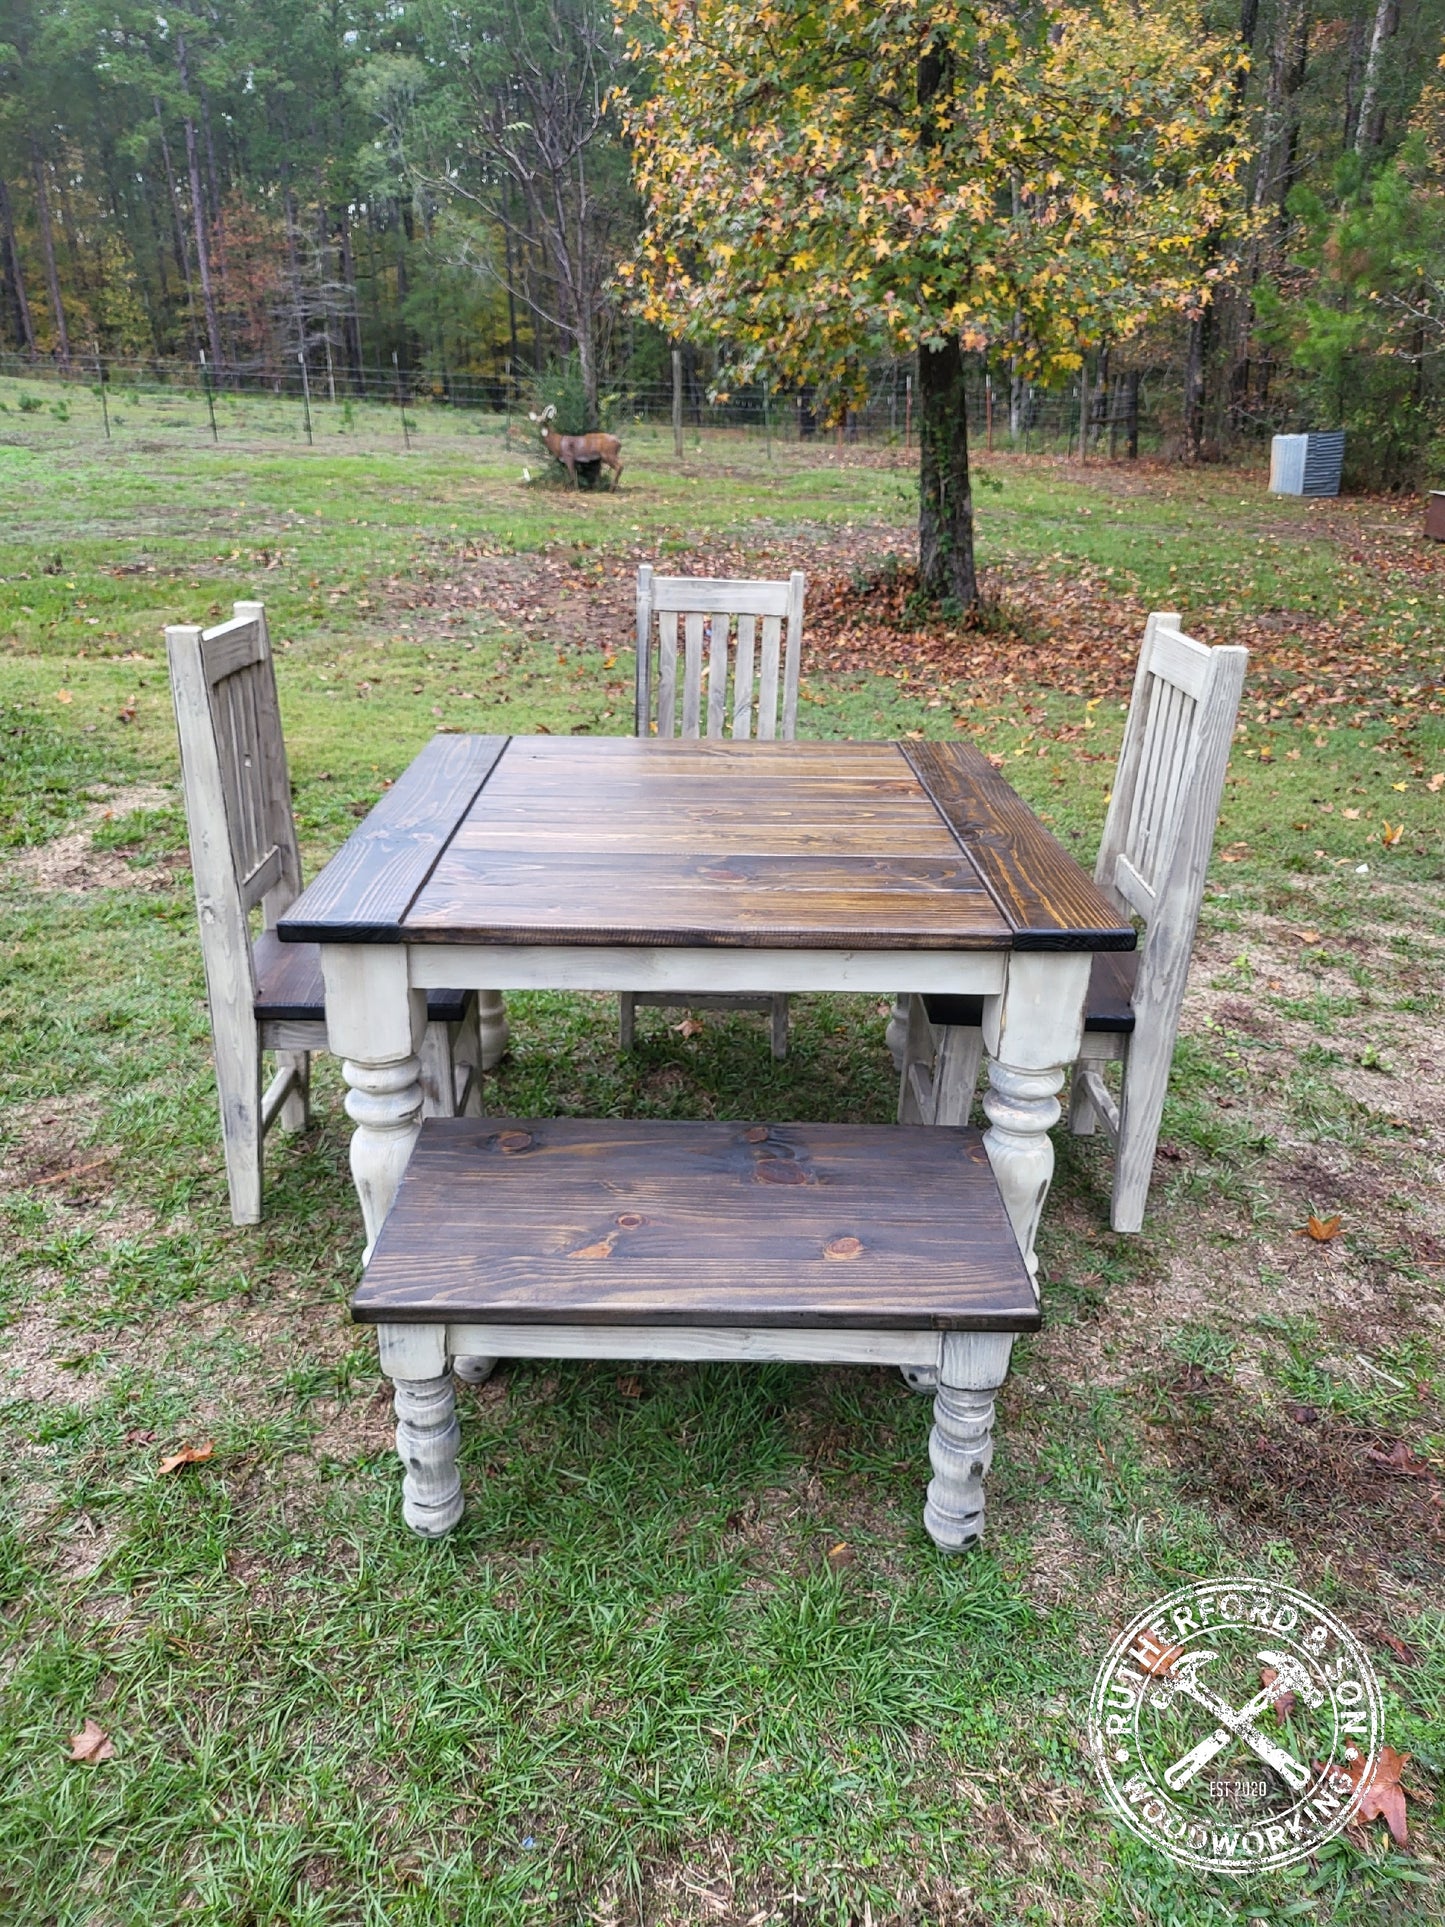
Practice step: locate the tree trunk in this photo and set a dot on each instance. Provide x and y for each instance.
(945, 501)
(198, 218)
(1369, 126)
(47, 252)
(15, 275)
(351, 320)
(1196, 358)
(1131, 418)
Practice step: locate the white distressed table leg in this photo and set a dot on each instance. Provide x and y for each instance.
(475, 1369)
(492, 1022)
(960, 1446)
(1032, 1032)
(427, 1434)
(896, 1035)
(375, 1023)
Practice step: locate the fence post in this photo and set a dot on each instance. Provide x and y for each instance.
(400, 400)
(767, 419)
(100, 378)
(677, 403)
(210, 398)
(305, 394)
(907, 413)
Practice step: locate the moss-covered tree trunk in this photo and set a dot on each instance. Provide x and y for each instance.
(945, 500)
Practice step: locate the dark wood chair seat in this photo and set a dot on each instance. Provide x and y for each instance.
(289, 987)
(674, 1224)
(1110, 1006)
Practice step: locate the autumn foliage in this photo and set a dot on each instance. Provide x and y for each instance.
(825, 183)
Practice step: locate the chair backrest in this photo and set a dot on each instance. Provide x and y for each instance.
(234, 775)
(1160, 828)
(735, 684)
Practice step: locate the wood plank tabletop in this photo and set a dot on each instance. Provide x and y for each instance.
(566, 1221)
(782, 845)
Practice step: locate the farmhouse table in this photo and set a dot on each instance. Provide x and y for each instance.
(614, 863)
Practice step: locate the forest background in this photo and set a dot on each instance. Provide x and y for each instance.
(441, 190)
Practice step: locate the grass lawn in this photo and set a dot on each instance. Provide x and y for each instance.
(632, 1687)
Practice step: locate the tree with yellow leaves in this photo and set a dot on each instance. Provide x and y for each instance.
(830, 180)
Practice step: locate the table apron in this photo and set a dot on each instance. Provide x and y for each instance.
(463, 966)
(465, 1338)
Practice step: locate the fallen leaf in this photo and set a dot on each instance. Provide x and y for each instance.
(64, 696)
(630, 1387)
(1392, 833)
(1399, 1460)
(1321, 1230)
(1153, 1654)
(1397, 1646)
(1436, 782)
(1285, 1702)
(188, 1455)
(138, 1437)
(90, 1745)
(841, 1555)
(1308, 936)
(1304, 1414)
(127, 715)
(689, 1027)
(1383, 1797)
(1352, 815)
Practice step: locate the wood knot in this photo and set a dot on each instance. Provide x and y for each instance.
(756, 1134)
(515, 1140)
(842, 1248)
(779, 1171)
(630, 1220)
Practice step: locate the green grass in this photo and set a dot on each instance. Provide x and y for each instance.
(630, 1687)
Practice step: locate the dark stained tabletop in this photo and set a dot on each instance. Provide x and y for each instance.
(617, 840)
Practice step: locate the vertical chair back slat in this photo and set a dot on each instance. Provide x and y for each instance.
(735, 680)
(1161, 782)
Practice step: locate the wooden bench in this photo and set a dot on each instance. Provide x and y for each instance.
(568, 1238)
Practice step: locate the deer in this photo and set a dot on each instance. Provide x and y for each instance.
(572, 449)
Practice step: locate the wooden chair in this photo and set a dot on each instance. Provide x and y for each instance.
(265, 995)
(1152, 863)
(827, 1243)
(735, 682)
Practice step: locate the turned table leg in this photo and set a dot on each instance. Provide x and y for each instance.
(960, 1447)
(492, 1023)
(1032, 1033)
(375, 1023)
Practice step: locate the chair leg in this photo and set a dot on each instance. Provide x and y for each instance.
(780, 1029)
(1141, 1107)
(427, 1439)
(438, 1072)
(627, 1019)
(955, 1073)
(296, 1108)
(960, 1446)
(915, 1080)
(1083, 1118)
(238, 1086)
(493, 1028)
(466, 1047)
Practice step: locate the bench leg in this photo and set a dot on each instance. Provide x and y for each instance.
(960, 1446)
(427, 1434)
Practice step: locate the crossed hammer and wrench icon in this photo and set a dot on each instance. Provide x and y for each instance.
(1237, 1723)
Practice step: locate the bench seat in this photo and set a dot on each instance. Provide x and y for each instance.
(566, 1237)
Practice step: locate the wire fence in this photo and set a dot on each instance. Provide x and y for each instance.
(117, 399)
